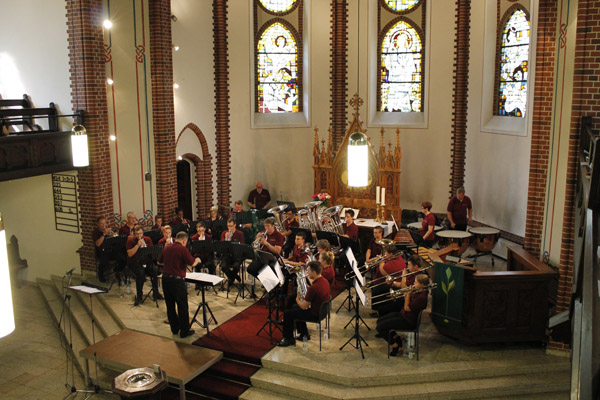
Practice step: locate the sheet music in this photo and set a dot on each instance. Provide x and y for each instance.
(361, 294)
(203, 277)
(354, 265)
(267, 277)
(395, 224)
(86, 289)
(279, 273)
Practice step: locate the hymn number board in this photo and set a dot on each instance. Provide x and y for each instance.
(66, 215)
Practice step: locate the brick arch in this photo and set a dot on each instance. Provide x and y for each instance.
(204, 179)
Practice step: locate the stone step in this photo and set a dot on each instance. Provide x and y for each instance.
(260, 394)
(447, 387)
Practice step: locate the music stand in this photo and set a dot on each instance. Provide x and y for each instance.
(269, 259)
(201, 247)
(346, 243)
(243, 252)
(155, 235)
(356, 319)
(91, 290)
(331, 237)
(203, 279)
(223, 247)
(149, 255)
(290, 204)
(117, 246)
(307, 233)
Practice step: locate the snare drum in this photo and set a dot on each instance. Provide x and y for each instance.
(485, 238)
(461, 238)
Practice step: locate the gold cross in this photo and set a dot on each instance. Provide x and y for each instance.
(356, 102)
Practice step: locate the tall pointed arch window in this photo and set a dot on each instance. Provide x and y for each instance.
(513, 64)
(277, 70)
(401, 68)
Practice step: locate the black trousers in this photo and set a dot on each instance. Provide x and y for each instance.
(292, 314)
(176, 295)
(391, 321)
(391, 307)
(140, 277)
(208, 263)
(103, 258)
(230, 266)
(461, 227)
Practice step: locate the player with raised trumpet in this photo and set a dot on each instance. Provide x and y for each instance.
(393, 266)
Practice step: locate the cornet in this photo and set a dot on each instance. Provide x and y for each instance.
(256, 245)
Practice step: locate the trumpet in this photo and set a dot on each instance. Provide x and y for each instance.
(382, 280)
(228, 235)
(256, 245)
(396, 294)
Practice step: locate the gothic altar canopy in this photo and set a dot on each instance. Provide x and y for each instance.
(331, 170)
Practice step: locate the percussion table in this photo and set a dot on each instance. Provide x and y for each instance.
(461, 238)
(485, 241)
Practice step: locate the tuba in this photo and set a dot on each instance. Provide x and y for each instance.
(334, 222)
(277, 211)
(312, 208)
(301, 281)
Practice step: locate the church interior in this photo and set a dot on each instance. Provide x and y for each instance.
(191, 105)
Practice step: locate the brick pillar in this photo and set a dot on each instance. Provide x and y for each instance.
(88, 92)
(339, 70)
(460, 95)
(541, 125)
(221, 74)
(163, 110)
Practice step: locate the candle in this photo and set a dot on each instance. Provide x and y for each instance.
(383, 196)
(377, 195)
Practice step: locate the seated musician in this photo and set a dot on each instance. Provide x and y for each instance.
(259, 197)
(158, 222)
(101, 231)
(394, 266)
(238, 207)
(305, 308)
(213, 218)
(167, 239)
(208, 259)
(270, 241)
(327, 259)
(414, 303)
(288, 223)
(323, 246)
(401, 282)
(350, 228)
(230, 265)
(179, 219)
(428, 224)
(128, 227)
(141, 268)
(374, 248)
(297, 259)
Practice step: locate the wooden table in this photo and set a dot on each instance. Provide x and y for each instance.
(130, 349)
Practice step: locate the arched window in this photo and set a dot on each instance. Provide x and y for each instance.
(278, 6)
(277, 70)
(513, 64)
(401, 76)
(401, 5)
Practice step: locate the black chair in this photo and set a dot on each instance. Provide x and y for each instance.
(408, 217)
(323, 315)
(415, 331)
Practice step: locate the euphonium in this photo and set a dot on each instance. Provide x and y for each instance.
(276, 211)
(301, 281)
(313, 214)
(256, 245)
(334, 223)
(304, 220)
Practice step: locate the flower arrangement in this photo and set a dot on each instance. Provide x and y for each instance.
(323, 197)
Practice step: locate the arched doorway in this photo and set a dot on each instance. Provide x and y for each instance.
(184, 188)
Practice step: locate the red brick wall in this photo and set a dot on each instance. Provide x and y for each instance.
(541, 125)
(163, 110)
(88, 92)
(460, 94)
(339, 70)
(221, 65)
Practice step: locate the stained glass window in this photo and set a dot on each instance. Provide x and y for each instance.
(401, 73)
(278, 5)
(277, 69)
(514, 55)
(401, 5)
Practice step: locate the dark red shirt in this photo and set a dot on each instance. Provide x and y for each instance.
(178, 221)
(459, 209)
(287, 224)
(417, 303)
(329, 274)
(391, 267)
(238, 236)
(176, 258)
(410, 280)
(374, 247)
(299, 255)
(317, 293)
(124, 230)
(275, 239)
(131, 242)
(97, 234)
(351, 231)
(259, 199)
(163, 241)
(197, 236)
(203, 256)
(428, 221)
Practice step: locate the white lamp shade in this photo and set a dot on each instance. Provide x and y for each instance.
(79, 148)
(7, 316)
(358, 165)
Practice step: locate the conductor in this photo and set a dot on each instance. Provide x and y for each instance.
(175, 259)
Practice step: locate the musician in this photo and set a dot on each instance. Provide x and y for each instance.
(128, 227)
(179, 218)
(212, 221)
(208, 259)
(288, 223)
(230, 265)
(323, 246)
(414, 266)
(134, 243)
(350, 228)
(259, 197)
(167, 239)
(394, 265)
(158, 222)
(101, 231)
(374, 248)
(270, 241)
(175, 259)
(428, 224)
(238, 207)
(407, 318)
(327, 259)
(298, 256)
(308, 309)
(458, 208)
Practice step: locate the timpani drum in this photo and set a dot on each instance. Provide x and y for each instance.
(416, 226)
(485, 238)
(461, 238)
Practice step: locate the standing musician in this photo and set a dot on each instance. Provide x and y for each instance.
(208, 259)
(101, 231)
(175, 259)
(393, 266)
(414, 267)
(179, 218)
(428, 224)
(307, 308)
(374, 248)
(167, 239)
(128, 227)
(230, 265)
(457, 209)
(407, 317)
(288, 223)
(327, 259)
(134, 243)
(259, 197)
(271, 241)
(350, 228)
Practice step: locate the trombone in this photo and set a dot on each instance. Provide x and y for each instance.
(377, 260)
(396, 294)
(382, 280)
